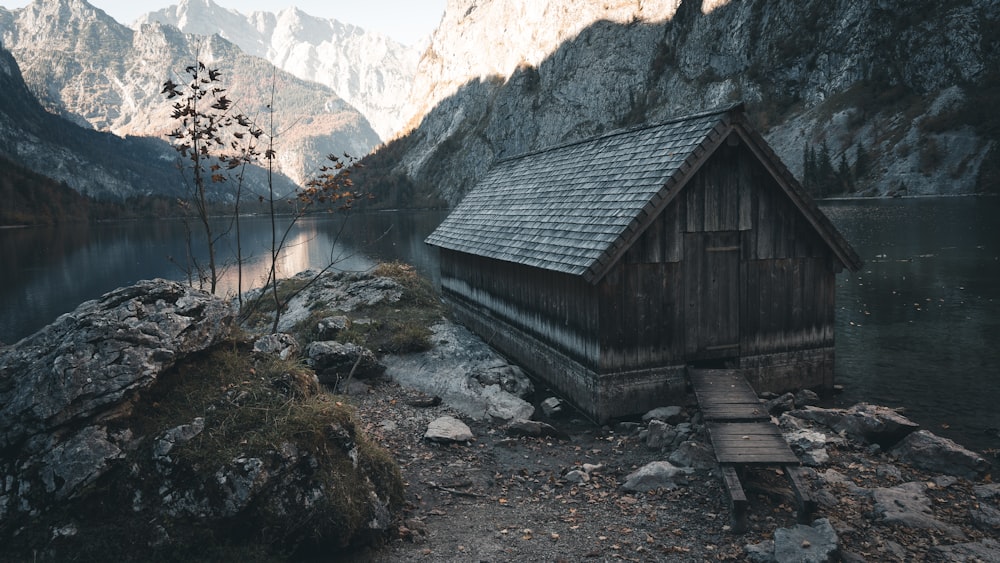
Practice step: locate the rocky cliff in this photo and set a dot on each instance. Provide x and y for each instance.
(868, 98)
(370, 71)
(87, 67)
(90, 162)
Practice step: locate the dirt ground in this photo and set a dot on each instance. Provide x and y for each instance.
(502, 498)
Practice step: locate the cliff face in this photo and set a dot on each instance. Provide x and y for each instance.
(856, 97)
(86, 67)
(371, 72)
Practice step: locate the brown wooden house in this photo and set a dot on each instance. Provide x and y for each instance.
(606, 267)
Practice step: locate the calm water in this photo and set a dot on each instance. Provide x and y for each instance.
(49, 271)
(917, 327)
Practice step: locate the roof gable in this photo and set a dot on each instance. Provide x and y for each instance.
(576, 208)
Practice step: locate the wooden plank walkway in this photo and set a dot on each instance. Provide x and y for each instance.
(742, 435)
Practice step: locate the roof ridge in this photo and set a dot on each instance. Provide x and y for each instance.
(625, 130)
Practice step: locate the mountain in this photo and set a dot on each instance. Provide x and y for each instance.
(869, 98)
(370, 71)
(90, 162)
(85, 66)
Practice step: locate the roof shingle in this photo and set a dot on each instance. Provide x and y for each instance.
(562, 208)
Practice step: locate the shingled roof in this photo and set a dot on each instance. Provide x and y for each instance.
(574, 208)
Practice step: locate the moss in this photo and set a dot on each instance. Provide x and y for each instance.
(252, 407)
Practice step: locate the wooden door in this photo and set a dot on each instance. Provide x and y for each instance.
(712, 295)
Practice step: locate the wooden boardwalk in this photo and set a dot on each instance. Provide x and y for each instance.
(742, 435)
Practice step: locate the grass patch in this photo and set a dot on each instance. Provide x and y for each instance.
(402, 326)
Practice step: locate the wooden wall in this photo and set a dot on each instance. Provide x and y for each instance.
(730, 269)
(556, 308)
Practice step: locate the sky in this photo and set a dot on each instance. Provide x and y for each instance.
(406, 21)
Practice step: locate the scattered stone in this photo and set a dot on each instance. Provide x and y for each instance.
(671, 415)
(659, 434)
(282, 345)
(934, 453)
(762, 552)
(510, 378)
(817, 543)
(656, 475)
(871, 424)
(806, 398)
(780, 404)
(628, 427)
(448, 429)
(333, 361)
(576, 476)
(809, 445)
(535, 429)
(503, 405)
(696, 455)
(908, 505)
(329, 327)
(552, 407)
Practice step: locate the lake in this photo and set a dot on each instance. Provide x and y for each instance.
(917, 327)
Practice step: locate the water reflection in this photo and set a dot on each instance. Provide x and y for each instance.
(49, 271)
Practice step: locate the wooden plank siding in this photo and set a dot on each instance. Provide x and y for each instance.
(556, 308)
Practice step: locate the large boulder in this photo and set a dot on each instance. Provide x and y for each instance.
(90, 363)
(871, 424)
(334, 361)
(929, 451)
(136, 427)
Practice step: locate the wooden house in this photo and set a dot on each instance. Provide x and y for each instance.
(607, 266)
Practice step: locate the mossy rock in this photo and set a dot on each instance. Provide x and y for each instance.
(234, 457)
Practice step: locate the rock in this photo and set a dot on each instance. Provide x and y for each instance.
(659, 434)
(334, 361)
(448, 429)
(695, 455)
(656, 475)
(329, 327)
(807, 544)
(931, 452)
(341, 291)
(780, 404)
(871, 424)
(762, 552)
(628, 427)
(535, 429)
(552, 407)
(908, 505)
(82, 366)
(282, 345)
(443, 371)
(671, 415)
(510, 378)
(806, 398)
(576, 476)
(986, 550)
(986, 517)
(119, 410)
(503, 406)
(809, 445)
